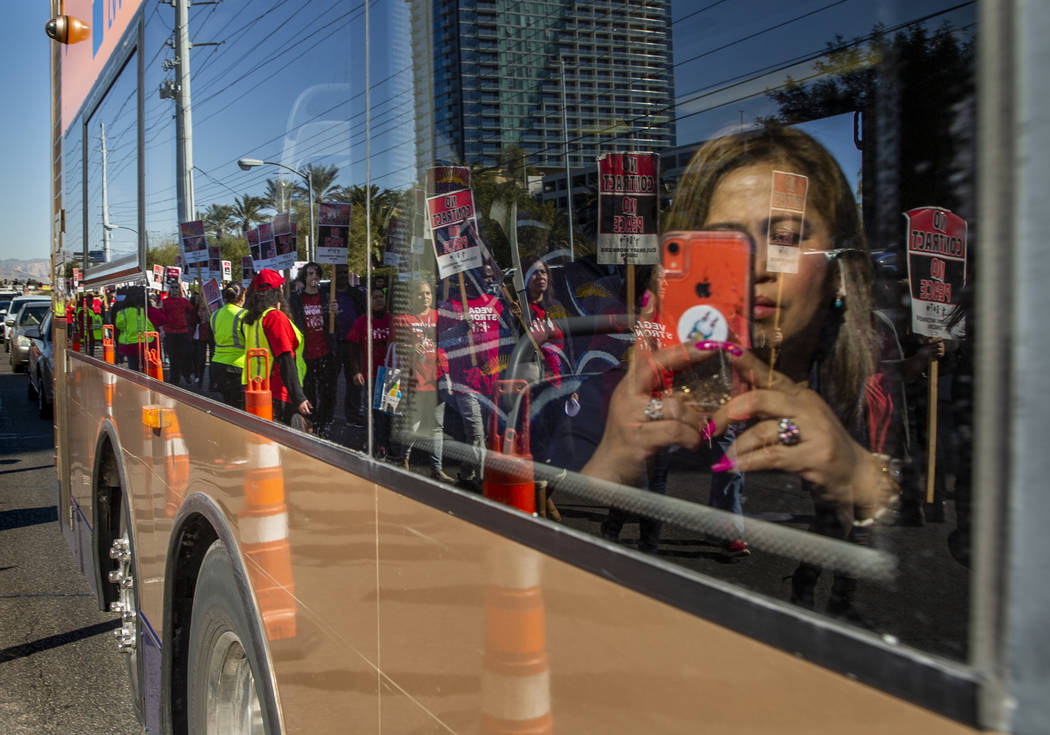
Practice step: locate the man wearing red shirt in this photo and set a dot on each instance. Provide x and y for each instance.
(382, 325)
(311, 313)
(177, 311)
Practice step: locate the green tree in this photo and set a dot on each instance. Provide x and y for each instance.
(915, 95)
(279, 194)
(246, 211)
(217, 219)
(322, 178)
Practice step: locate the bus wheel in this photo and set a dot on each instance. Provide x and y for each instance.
(223, 694)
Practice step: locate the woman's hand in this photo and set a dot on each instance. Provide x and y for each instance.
(631, 437)
(824, 453)
(305, 408)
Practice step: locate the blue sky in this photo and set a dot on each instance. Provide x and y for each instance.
(24, 126)
(259, 116)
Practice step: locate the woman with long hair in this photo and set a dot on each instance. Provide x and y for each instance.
(816, 404)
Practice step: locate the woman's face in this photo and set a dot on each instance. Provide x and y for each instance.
(741, 201)
(538, 281)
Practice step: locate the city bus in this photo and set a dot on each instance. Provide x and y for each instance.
(508, 497)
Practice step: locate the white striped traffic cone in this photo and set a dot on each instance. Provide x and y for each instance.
(515, 687)
(264, 537)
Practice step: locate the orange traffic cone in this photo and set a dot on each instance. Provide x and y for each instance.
(508, 476)
(150, 350)
(515, 685)
(257, 397)
(109, 353)
(263, 523)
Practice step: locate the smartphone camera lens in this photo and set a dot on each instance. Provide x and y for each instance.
(672, 247)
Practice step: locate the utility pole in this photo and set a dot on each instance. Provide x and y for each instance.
(183, 114)
(105, 198)
(179, 90)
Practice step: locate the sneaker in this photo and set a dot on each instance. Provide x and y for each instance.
(737, 549)
(381, 453)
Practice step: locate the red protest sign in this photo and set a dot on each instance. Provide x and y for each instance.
(936, 251)
(454, 231)
(628, 208)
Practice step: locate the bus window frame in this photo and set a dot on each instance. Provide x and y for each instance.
(128, 267)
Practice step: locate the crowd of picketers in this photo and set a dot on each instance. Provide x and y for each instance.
(423, 357)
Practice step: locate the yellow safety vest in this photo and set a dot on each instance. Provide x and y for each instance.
(255, 338)
(226, 330)
(131, 322)
(96, 325)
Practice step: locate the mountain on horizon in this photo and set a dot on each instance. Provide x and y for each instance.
(38, 269)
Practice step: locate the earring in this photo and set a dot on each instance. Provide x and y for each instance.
(840, 297)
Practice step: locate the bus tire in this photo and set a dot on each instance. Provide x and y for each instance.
(225, 696)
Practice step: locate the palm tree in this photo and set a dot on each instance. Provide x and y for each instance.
(279, 194)
(246, 210)
(322, 178)
(218, 218)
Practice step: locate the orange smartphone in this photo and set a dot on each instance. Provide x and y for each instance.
(705, 295)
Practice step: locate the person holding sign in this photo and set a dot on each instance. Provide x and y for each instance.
(818, 406)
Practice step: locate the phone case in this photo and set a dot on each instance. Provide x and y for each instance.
(705, 294)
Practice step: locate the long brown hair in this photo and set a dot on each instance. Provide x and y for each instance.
(852, 356)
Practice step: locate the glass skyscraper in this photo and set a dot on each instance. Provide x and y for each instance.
(492, 77)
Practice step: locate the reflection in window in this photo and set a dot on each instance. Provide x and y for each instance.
(111, 140)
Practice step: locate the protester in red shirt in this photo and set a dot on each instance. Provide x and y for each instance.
(417, 331)
(358, 336)
(265, 324)
(311, 313)
(178, 312)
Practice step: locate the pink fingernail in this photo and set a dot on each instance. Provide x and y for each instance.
(706, 344)
(723, 465)
(733, 349)
(708, 431)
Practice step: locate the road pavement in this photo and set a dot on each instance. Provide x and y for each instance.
(60, 671)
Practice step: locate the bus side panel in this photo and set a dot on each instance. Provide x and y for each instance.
(618, 660)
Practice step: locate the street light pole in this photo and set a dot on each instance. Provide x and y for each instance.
(250, 163)
(311, 246)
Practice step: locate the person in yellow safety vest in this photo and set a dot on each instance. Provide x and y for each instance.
(266, 325)
(96, 321)
(227, 362)
(133, 319)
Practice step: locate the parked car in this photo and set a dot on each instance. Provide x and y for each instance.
(12, 313)
(41, 366)
(30, 315)
(4, 303)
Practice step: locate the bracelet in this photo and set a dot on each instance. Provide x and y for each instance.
(890, 471)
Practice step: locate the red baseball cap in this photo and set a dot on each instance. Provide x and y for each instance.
(266, 279)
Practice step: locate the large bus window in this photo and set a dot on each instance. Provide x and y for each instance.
(485, 300)
(111, 149)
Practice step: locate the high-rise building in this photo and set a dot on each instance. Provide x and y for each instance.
(490, 74)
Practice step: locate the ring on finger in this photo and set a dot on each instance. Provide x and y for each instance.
(654, 409)
(788, 432)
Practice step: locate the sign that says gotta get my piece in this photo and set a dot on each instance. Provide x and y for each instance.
(936, 251)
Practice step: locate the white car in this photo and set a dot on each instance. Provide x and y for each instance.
(11, 318)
